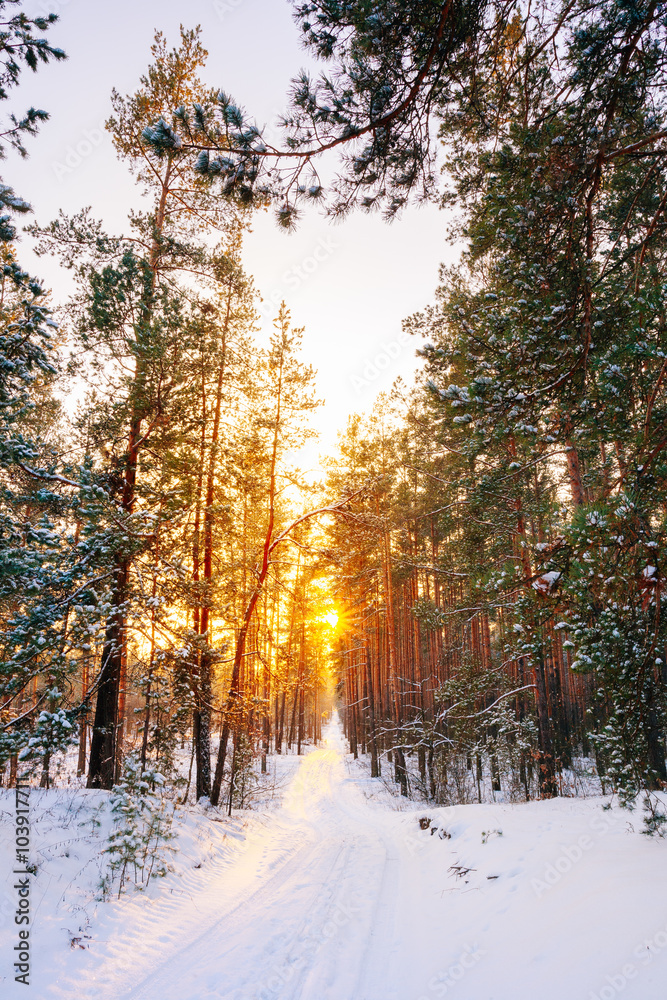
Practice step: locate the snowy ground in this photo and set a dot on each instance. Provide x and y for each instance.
(339, 895)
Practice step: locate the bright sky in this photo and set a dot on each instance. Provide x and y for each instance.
(348, 284)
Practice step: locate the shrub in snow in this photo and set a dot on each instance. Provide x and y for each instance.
(53, 732)
(140, 839)
(482, 748)
(244, 778)
(655, 819)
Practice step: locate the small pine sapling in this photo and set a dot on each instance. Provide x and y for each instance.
(138, 844)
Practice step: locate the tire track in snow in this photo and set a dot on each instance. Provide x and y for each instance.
(317, 928)
(380, 952)
(239, 929)
(146, 930)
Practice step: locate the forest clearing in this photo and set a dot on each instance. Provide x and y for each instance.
(333, 499)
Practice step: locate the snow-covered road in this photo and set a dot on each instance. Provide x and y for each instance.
(309, 910)
(339, 895)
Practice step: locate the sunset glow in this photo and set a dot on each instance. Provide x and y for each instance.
(333, 499)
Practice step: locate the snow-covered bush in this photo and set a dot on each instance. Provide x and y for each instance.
(244, 777)
(53, 732)
(139, 842)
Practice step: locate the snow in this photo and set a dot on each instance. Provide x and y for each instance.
(339, 894)
(547, 581)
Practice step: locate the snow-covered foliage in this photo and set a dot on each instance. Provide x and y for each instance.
(140, 841)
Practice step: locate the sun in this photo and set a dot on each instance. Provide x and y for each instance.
(331, 617)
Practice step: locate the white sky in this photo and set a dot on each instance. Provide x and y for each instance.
(369, 276)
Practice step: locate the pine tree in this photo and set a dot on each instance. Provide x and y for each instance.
(29, 499)
(392, 67)
(131, 308)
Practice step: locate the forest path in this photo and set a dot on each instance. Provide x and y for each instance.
(338, 894)
(308, 910)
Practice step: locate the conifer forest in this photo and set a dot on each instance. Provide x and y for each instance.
(307, 700)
